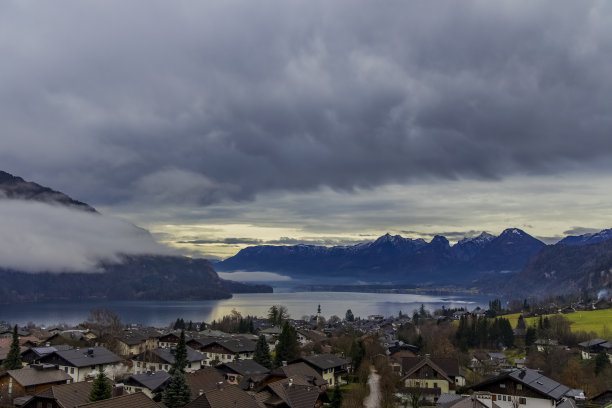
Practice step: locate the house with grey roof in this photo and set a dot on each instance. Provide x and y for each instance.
(329, 366)
(590, 349)
(29, 381)
(151, 383)
(523, 387)
(220, 350)
(82, 363)
(34, 354)
(247, 374)
(161, 359)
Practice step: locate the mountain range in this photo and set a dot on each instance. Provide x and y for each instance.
(392, 258)
(126, 277)
(511, 264)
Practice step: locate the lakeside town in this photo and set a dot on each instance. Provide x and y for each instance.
(518, 356)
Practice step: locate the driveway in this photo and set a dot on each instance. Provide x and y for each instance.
(372, 400)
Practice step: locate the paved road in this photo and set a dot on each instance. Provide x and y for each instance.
(372, 400)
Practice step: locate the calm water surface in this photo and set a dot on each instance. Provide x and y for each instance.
(161, 314)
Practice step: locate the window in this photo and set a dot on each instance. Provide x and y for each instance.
(71, 370)
(519, 386)
(417, 384)
(522, 400)
(502, 385)
(435, 385)
(166, 367)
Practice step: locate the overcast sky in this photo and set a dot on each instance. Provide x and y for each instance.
(220, 124)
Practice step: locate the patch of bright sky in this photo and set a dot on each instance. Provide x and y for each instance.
(543, 206)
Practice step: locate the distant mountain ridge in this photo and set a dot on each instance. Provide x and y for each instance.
(16, 188)
(393, 258)
(586, 239)
(144, 277)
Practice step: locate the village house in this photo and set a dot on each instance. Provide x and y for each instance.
(61, 396)
(223, 350)
(431, 376)
(224, 397)
(545, 344)
(590, 349)
(82, 363)
(291, 393)
(203, 380)
(34, 354)
(524, 388)
(152, 384)
(297, 370)
(161, 359)
(247, 374)
(329, 366)
(136, 341)
(29, 381)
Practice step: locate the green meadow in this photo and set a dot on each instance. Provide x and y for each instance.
(598, 321)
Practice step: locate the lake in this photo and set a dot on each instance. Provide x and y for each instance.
(161, 314)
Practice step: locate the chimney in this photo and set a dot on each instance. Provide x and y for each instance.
(290, 382)
(117, 390)
(90, 352)
(284, 364)
(201, 392)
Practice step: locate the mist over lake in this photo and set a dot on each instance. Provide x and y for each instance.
(162, 313)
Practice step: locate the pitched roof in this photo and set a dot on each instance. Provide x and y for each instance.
(154, 381)
(596, 342)
(532, 379)
(300, 369)
(136, 400)
(410, 365)
(86, 357)
(449, 366)
(68, 395)
(167, 355)
(226, 397)
(203, 380)
(466, 402)
(325, 361)
(33, 376)
(295, 396)
(244, 367)
(233, 344)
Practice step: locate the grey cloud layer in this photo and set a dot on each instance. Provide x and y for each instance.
(187, 101)
(40, 237)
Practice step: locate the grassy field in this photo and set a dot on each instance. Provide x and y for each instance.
(598, 321)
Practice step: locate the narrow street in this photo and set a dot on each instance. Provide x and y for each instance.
(372, 400)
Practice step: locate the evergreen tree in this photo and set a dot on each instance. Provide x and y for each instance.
(100, 388)
(357, 353)
(180, 355)
(336, 399)
(13, 358)
(520, 325)
(262, 353)
(349, 317)
(530, 336)
(177, 394)
(601, 362)
(287, 348)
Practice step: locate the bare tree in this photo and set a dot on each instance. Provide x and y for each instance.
(106, 325)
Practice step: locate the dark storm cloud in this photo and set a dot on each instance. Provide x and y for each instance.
(228, 241)
(581, 231)
(175, 102)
